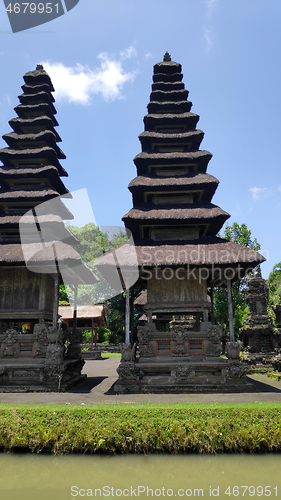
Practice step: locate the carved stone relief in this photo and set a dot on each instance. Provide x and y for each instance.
(181, 373)
(127, 371)
(180, 350)
(146, 351)
(213, 349)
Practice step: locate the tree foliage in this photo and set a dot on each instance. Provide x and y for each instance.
(243, 236)
(92, 244)
(274, 284)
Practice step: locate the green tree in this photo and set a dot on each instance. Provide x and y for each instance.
(274, 284)
(243, 236)
(91, 244)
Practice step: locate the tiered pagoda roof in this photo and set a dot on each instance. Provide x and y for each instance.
(172, 192)
(31, 175)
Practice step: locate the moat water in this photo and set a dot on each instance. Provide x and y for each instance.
(41, 477)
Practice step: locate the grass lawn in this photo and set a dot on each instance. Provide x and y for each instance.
(132, 428)
(110, 354)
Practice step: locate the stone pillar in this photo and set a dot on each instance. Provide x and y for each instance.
(56, 299)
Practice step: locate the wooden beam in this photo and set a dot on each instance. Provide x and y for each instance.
(127, 318)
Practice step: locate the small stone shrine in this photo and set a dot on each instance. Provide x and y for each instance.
(33, 353)
(258, 334)
(180, 258)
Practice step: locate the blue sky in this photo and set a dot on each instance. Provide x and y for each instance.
(100, 57)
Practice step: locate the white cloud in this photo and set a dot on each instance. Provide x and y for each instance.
(211, 5)
(257, 192)
(128, 53)
(279, 188)
(148, 55)
(79, 83)
(208, 37)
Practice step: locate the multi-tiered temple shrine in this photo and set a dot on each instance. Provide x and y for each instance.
(174, 225)
(35, 247)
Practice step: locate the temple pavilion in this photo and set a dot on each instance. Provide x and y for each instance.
(180, 257)
(36, 249)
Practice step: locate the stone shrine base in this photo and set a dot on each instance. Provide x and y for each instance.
(182, 360)
(218, 376)
(39, 361)
(18, 375)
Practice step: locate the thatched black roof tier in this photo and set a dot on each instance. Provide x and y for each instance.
(208, 218)
(43, 138)
(208, 251)
(163, 77)
(43, 258)
(35, 124)
(191, 161)
(39, 156)
(169, 107)
(192, 211)
(7, 174)
(30, 111)
(35, 98)
(167, 86)
(203, 186)
(190, 182)
(38, 77)
(35, 89)
(167, 67)
(19, 195)
(51, 226)
(169, 95)
(190, 140)
(188, 120)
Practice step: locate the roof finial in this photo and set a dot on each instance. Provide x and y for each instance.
(167, 57)
(39, 67)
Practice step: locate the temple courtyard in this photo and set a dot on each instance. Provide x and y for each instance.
(97, 389)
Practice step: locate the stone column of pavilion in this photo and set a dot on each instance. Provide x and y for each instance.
(31, 186)
(174, 225)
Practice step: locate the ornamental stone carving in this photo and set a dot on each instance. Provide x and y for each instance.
(144, 335)
(237, 370)
(213, 350)
(10, 336)
(180, 350)
(55, 335)
(41, 332)
(232, 350)
(54, 361)
(146, 351)
(54, 365)
(181, 373)
(41, 351)
(10, 351)
(179, 334)
(128, 353)
(214, 333)
(127, 371)
(3, 373)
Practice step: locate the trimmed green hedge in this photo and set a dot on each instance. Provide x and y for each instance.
(253, 428)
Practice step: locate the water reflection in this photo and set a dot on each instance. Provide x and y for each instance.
(30, 477)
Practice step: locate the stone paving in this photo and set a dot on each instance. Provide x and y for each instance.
(101, 375)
